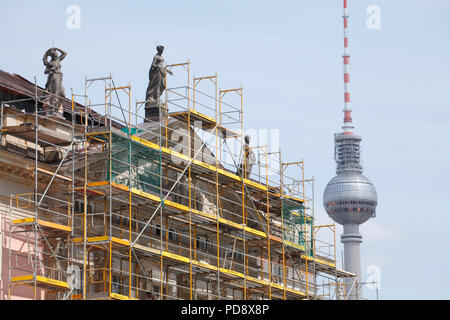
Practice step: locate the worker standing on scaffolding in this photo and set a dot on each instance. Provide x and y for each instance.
(248, 159)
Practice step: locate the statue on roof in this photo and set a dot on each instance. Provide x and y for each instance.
(157, 81)
(54, 83)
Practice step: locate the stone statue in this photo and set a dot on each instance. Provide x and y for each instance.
(54, 81)
(157, 82)
(248, 159)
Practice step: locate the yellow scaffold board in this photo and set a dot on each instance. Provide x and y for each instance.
(103, 239)
(117, 296)
(43, 223)
(42, 282)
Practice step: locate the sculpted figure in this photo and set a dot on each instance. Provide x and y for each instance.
(54, 81)
(157, 79)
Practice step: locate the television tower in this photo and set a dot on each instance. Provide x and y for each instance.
(350, 198)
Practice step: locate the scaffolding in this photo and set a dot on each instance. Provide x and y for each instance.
(161, 208)
(45, 260)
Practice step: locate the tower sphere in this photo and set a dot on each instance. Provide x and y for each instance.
(350, 198)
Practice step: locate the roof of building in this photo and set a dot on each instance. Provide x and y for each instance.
(14, 87)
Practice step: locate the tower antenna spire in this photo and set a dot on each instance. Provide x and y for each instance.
(348, 125)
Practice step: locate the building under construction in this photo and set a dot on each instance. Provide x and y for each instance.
(100, 203)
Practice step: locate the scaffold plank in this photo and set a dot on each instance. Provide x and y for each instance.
(42, 282)
(118, 296)
(103, 239)
(46, 225)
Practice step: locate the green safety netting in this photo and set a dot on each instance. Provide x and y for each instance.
(298, 226)
(133, 164)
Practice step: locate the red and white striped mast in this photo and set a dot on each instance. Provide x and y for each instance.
(348, 126)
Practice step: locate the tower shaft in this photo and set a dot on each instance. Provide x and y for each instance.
(351, 238)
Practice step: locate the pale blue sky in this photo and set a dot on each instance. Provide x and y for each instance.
(287, 55)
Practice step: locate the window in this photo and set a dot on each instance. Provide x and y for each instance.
(115, 286)
(238, 254)
(201, 243)
(79, 207)
(172, 235)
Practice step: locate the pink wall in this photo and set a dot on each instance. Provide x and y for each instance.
(18, 244)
